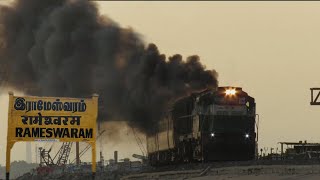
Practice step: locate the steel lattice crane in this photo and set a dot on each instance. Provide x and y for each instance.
(63, 153)
(88, 147)
(61, 157)
(139, 143)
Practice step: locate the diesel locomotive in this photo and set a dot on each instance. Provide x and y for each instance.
(213, 125)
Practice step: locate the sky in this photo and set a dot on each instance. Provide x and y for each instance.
(270, 49)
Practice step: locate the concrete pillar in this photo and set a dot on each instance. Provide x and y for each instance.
(28, 152)
(116, 156)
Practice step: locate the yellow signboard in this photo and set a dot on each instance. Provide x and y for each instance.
(33, 118)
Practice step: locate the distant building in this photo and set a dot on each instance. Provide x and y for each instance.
(28, 152)
(300, 150)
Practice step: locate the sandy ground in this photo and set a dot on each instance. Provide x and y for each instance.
(261, 177)
(273, 172)
(256, 172)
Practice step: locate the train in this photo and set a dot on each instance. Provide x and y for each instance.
(212, 125)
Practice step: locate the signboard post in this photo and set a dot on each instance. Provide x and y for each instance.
(32, 118)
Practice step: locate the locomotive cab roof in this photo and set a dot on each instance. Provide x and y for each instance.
(235, 90)
(229, 87)
(208, 94)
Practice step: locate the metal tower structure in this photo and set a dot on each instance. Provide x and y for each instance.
(45, 158)
(61, 157)
(315, 93)
(83, 151)
(63, 153)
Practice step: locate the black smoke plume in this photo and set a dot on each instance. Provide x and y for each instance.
(66, 48)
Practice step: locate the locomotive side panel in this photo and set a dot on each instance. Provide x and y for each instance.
(163, 138)
(165, 134)
(182, 118)
(152, 144)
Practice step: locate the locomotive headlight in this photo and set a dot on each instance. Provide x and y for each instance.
(246, 136)
(212, 134)
(230, 92)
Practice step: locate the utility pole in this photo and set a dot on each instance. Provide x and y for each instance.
(257, 136)
(77, 154)
(101, 147)
(36, 154)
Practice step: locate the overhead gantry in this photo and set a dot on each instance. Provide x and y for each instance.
(315, 93)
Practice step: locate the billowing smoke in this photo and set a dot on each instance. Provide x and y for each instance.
(66, 48)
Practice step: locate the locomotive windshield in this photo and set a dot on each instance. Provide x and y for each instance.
(221, 123)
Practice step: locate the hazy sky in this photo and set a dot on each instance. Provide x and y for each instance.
(270, 49)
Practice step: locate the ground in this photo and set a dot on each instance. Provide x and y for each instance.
(252, 172)
(261, 177)
(206, 171)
